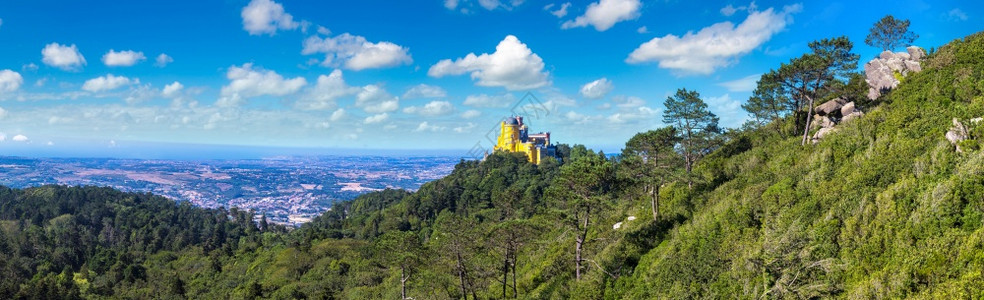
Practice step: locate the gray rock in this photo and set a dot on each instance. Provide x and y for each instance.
(880, 72)
(848, 108)
(830, 107)
(851, 116)
(957, 133)
(822, 133)
(915, 52)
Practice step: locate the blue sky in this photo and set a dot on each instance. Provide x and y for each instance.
(374, 74)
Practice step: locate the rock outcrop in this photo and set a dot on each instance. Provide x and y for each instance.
(959, 132)
(882, 73)
(831, 113)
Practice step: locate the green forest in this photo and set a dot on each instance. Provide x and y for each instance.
(883, 207)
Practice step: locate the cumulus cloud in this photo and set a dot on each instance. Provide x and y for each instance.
(10, 81)
(728, 10)
(326, 92)
(266, 17)
(376, 118)
(106, 83)
(67, 58)
(425, 126)
(172, 90)
(642, 30)
(716, 46)
(483, 100)
(374, 99)
(433, 108)
(124, 58)
(425, 91)
(744, 84)
(471, 113)
(162, 60)
(466, 128)
(560, 12)
(20, 138)
(605, 13)
(596, 89)
(513, 66)
(246, 82)
(356, 53)
(338, 114)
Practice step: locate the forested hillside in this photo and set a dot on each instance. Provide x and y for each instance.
(884, 206)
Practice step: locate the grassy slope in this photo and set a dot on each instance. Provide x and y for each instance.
(883, 208)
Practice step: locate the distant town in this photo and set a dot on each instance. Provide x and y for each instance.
(288, 190)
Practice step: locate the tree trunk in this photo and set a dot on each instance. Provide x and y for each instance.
(513, 263)
(655, 200)
(505, 274)
(579, 244)
(809, 118)
(403, 282)
(461, 278)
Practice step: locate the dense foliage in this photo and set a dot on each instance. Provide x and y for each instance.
(884, 207)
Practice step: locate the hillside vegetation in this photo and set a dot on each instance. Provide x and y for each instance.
(884, 207)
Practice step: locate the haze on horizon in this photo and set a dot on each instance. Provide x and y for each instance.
(389, 75)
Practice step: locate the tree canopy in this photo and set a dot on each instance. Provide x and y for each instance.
(890, 33)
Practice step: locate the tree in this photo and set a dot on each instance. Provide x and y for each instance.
(889, 33)
(579, 189)
(508, 237)
(457, 237)
(696, 124)
(812, 76)
(650, 154)
(401, 249)
(768, 104)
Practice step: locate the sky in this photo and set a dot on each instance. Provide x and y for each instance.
(116, 78)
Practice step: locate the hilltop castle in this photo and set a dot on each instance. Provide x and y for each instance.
(514, 137)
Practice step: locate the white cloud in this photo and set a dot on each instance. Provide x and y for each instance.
(265, 17)
(124, 58)
(628, 103)
(246, 82)
(596, 89)
(29, 67)
(162, 60)
(172, 90)
(326, 92)
(106, 83)
(374, 99)
(338, 114)
(20, 138)
(560, 12)
(433, 108)
(642, 30)
(471, 113)
(466, 128)
(486, 4)
(729, 110)
(3, 113)
(356, 53)
(376, 118)
(10, 81)
(716, 46)
(513, 66)
(483, 100)
(605, 13)
(424, 126)
(425, 91)
(744, 84)
(3, 137)
(728, 10)
(67, 58)
(956, 15)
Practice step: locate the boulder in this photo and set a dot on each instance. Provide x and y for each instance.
(830, 107)
(957, 134)
(915, 52)
(851, 116)
(880, 72)
(848, 108)
(821, 133)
